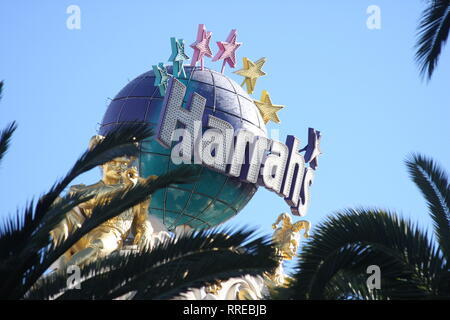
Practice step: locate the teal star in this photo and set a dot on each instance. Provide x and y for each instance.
(161, 77)
(177, 57)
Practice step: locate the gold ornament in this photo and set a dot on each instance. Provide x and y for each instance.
(286, 239)
(251, 71)
(267, 109)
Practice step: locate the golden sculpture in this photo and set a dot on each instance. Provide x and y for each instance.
(287, 237)
(110, 235)
(286, 240)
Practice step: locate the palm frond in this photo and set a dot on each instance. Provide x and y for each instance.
(349, 286)
(14, 242)
(5, 138)
(1, 89)
(355, 239)
(116, 143)
(108, 208)
(170, 268)
(432, 35)
(434, 184)
(19, 253)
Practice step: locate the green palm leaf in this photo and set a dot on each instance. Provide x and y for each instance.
(168, 269)
(11, 241)
(117, 143)
(434, 184)
(347, 243)
(5, 138)
(122, 200)
(432, 35)
(29, 226)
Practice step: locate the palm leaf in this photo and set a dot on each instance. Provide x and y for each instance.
(434, 184)
(19, 257)
(107, 209)
(117, 143)
(1, 89)
(12, 242)
(350, 286)
(168, 269)
(432, 34)
(355, 239)
(5, 138)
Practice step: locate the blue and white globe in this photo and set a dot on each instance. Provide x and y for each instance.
(214, 197)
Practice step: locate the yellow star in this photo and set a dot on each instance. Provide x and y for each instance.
(251, 71)
(267, 109)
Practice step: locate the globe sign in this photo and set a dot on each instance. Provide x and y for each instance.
(214, 197)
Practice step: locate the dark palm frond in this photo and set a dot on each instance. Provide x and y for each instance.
(105, 210)
(252, 258)
(168, 269)
(432, 35)
(5, 138)
(349, 286)
(19, 256)
(12, 242)
(343, 286)
(434, 184)
(1, 89)
(121, 201)
(355, 239)
(117, 143)
(125, 199)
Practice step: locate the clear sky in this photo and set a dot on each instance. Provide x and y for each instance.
(359, 87)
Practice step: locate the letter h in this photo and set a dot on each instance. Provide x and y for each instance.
(294, 172)
(173, 113)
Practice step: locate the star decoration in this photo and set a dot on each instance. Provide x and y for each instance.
(313, 148)
(267, 109)
(161, 77)
(251, 71)
(177, 57)
(227, 50)
(201, 46)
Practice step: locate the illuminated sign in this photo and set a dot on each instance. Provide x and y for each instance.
(279, 167)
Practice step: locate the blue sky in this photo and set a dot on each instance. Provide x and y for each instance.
(359, 87)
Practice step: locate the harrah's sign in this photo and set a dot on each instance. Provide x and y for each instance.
(279, 167)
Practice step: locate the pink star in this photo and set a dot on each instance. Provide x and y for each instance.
(201, 46)
(227, 50)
